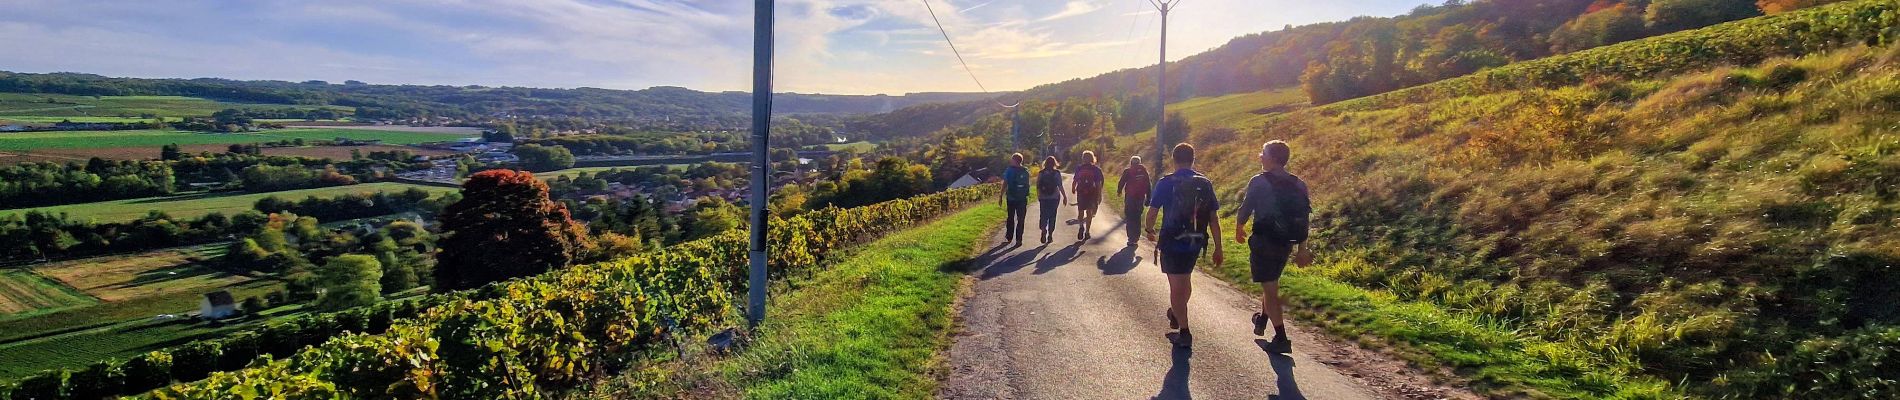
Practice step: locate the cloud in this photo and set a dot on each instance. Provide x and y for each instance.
(1072, 9)
(848, 46)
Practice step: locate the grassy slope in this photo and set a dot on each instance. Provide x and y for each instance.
(872, 327)
(196, 205)
(1405, 188)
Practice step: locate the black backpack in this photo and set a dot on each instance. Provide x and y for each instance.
(1189, 214)
(1287, 217)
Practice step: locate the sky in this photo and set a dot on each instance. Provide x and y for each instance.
(824, 46)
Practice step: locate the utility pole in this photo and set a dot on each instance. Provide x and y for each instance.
(761, 159)
(1161, 89)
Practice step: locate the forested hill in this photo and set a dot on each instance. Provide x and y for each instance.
(1363, 56)
(477, 102)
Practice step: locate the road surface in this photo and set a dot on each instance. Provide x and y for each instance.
(1071, 320)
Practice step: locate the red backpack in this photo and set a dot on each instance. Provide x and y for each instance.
(1135, 182)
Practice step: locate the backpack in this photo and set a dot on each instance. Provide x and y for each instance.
(1016, 182)
(1190, 210)
(1135, 183)
(1049, 183)
(1287, 217)
(1088, 181)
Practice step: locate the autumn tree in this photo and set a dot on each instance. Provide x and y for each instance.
(504, 227)
(1782, 6)
(1676, 15)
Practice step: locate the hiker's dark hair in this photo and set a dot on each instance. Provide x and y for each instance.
(1184, 153)
(1050, 162)
(1277, 151)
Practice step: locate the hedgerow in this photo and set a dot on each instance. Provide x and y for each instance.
(538, 335)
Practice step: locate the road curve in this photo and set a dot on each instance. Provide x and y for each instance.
(1086, 320)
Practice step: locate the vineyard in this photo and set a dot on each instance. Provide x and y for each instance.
(512, 339)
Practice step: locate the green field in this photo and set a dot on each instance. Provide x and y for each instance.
(28, 141)
(853, 147)
(22, 291)
(37, 105)
(199, 204)
(39, 119)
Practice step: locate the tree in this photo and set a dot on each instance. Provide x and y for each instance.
(1676, 15)
(1607, 26)
(1176, 129)
(349, 280)
(1782, 6)
(504, 227)
(504, 133)
(169, 152)
(536, 157)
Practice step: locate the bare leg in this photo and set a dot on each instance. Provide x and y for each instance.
(1180, 287)
(1271, 305)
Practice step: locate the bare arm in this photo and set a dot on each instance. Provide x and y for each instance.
(1148, 221)
(1218, 251)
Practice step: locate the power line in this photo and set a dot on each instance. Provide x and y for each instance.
(953, 46)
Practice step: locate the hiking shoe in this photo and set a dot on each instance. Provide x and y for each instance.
(1279, 345)
(1182, 339)
(1259, 324)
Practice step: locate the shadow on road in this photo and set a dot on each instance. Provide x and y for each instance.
(1282, 373)
(1119, 263)
(1012, 263)
(1174, 385)
(1060, 257)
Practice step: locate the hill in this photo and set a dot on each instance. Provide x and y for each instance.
(1726, 229)
(1335, 61)
(681, 106)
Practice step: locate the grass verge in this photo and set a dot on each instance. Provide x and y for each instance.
(1490, 356)
(873, 326)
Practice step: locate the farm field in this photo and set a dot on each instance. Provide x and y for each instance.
(128, 286)
(40, 141)
(59, 105)
(199, 204)
(117, 331)
(122, 278)
(22, 291)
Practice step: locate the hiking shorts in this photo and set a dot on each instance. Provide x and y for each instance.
(1173, 264)
(1267, 259)
(1088, 203)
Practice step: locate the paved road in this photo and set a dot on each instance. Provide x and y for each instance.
(1072, 320)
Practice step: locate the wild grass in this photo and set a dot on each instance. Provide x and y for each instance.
(1673, 236)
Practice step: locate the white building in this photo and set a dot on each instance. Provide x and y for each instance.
(217, 305)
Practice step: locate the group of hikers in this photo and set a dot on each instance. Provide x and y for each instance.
(1275, 202)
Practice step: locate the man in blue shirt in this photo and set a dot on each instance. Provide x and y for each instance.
(1016, 191)
(1187, 199)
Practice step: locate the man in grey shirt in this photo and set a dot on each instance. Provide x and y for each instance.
(1277, 203)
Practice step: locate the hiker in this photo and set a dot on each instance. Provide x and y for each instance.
(1133, 187)
(1016, 191)
(1277, 204)
(1186, 198)
(1049, 191)
(1088, 194)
